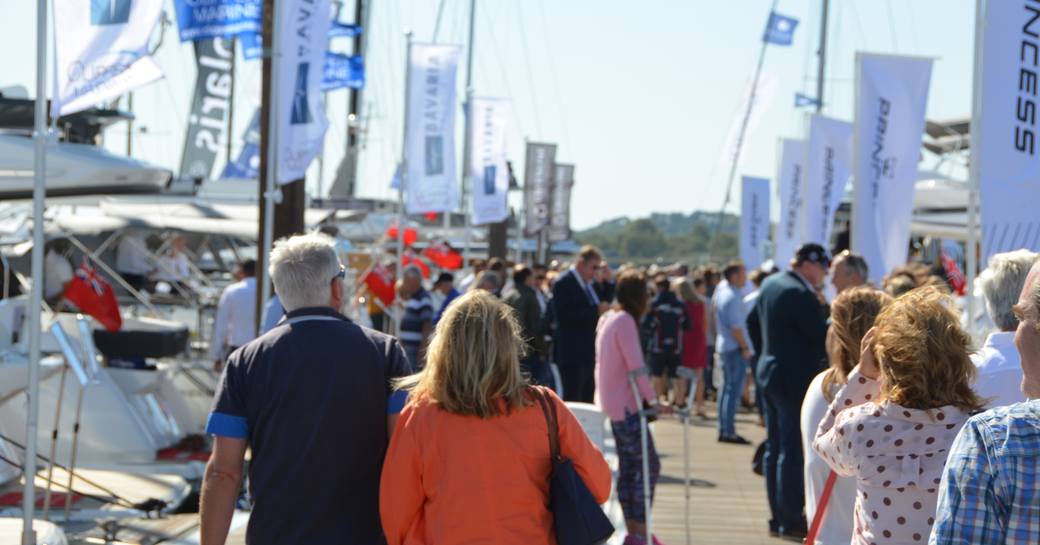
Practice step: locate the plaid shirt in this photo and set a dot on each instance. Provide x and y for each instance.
(990, 491)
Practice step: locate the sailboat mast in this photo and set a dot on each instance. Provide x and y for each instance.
(822, 54)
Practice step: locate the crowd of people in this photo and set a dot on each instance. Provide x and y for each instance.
(871, 398)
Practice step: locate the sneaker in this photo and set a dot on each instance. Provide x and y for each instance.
(735, 440)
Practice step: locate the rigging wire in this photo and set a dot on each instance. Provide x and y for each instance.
(892, 25)
(530, 75)
(502, 69)
(561, 111)
(437, 25)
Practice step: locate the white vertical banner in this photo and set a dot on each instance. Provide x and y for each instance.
(300, 111)
(754, 221)
(487, 169)
(101, 50)
(828, 164)
(431, 182)
(891, 99)
(1004, 125)
(791, 192)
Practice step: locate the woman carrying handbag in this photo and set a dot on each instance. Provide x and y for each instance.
(469, 460)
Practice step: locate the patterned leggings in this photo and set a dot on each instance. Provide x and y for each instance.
(628, 439)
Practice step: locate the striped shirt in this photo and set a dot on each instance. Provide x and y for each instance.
(417, 312)
(990, 491)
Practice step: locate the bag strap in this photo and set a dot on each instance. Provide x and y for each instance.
(821, 508)
(549, 411)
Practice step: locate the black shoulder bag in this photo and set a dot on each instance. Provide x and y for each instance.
(579, 520)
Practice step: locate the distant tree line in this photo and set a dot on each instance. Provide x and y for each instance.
(670, 237)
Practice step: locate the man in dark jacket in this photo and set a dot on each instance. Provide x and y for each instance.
(665, 324)
(577, 310)
(791, 319)
(524, 301)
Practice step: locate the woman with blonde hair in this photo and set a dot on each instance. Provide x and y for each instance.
(852, 315)
(469, 459)
(892, 424)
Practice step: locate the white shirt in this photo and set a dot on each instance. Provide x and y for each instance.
(173, 268)
(236, 317)
(132, 255)
(837, 522)
(466, 282)
(999, 381)
(57, 271)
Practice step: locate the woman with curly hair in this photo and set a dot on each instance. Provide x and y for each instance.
(892, 424)
(852, 315)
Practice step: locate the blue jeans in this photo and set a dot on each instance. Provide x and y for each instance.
(783, 460)
(734, 372)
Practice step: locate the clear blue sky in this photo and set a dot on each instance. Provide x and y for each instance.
(639, 95)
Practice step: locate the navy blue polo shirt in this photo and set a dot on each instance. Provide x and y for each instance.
(311, 397)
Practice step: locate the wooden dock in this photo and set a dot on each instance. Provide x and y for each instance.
(728, 503)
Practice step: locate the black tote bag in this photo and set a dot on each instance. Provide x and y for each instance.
(579, 520)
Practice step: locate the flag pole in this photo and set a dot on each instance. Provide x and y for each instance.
(971, 252)
(740, 137)
(269, 129)
(403, 180)
(468, 142)
(36, 297)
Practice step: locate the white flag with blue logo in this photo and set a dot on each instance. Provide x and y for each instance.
(754, 221)
(431, 179)
(780, 29)
(827, 168)
(891, 100)
(301, 117)
(487, 170)
(101, 50)
(791, 182)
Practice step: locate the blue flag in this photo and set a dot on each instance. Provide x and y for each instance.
(343, 71)
(801, 99)
(252, 49)
(395, 182)
(247, 165)
(205, 19)
(780, 29)
(343, 30)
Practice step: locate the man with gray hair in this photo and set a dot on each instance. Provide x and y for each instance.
(313, 400)
(1000, 375)
(848, 270)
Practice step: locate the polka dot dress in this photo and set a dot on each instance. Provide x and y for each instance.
(897, 456)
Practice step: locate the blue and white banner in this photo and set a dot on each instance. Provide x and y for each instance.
(247, 164)
(791, 192)
(300, 112)
(487, 171)
(431, 178)
(754, 221)
(828, 164)
(891, 99)
(205, 19)
(780, 29)
(343, 71)
(1005, 161)
(101, 51)
(207, 120)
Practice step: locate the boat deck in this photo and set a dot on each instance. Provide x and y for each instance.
(728, 503)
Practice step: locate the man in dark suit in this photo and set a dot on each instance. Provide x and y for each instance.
(790, 317)
(577, 309)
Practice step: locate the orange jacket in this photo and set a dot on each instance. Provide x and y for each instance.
(451, 479)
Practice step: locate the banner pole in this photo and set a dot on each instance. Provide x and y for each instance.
(974, 170)
(404, 165)
(468, 141)
(271, 173)
(36, 297)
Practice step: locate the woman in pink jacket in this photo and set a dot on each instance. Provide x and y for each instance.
(618, 352)
(892, 425)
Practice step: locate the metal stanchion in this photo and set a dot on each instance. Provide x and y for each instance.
(644, 436)
(684, 417)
